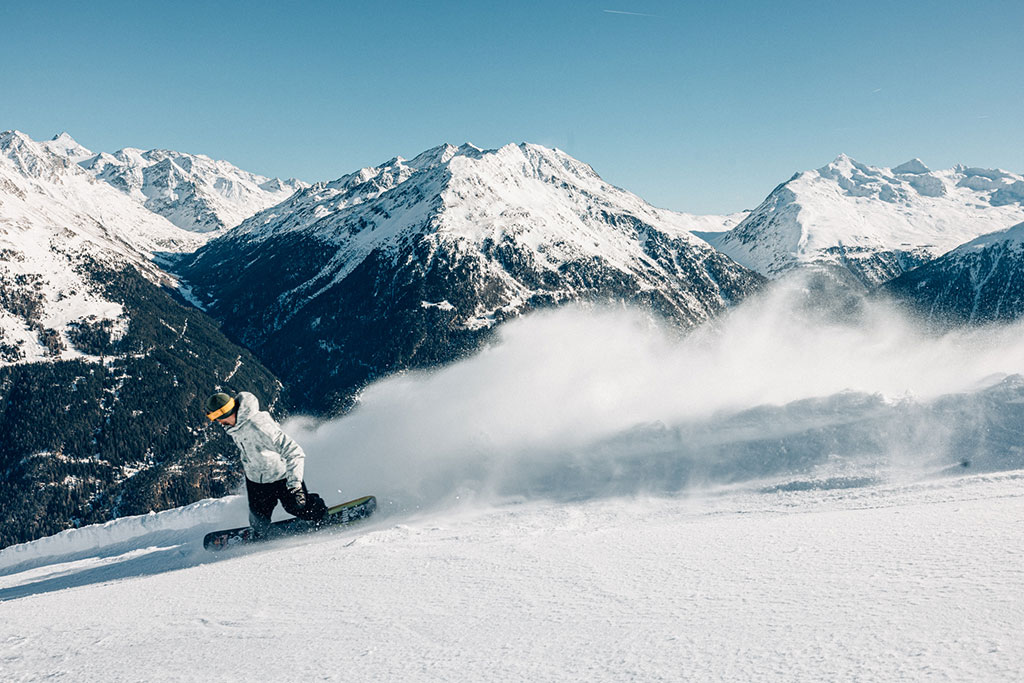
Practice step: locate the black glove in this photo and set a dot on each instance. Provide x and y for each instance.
(299, 496)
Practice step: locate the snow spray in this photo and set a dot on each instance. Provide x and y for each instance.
(580, 402)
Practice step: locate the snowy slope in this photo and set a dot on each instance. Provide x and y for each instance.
(981, 281)
(911, 582)
(412, 263)
(192, 191)
(56, 221)
(777, 497)
(874, 222)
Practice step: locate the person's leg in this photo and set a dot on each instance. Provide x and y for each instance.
(262, 501)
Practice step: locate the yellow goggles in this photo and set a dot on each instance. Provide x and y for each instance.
(223, 410)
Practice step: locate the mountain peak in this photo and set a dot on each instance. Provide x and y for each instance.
(14, 138)
(841, 217)
(66, 146)
(30, 157)
(442, 154)
(844, 164)
(913, 167)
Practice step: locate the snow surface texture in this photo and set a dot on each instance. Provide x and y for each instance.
(794, 493)
(847, 212)
(889, 582)
(192, 191)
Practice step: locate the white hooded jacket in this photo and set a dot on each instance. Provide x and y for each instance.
(268, 454)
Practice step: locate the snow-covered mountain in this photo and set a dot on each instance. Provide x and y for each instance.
(64, 145)
(57, 221)
(874, 222)
(981, 281)
(409, 264)
(192, 191)
(102, 372)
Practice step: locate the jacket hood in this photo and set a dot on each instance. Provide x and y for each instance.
(248, 405)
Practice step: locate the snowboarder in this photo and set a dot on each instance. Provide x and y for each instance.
(272, 461)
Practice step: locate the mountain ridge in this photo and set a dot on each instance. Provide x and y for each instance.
(872, 223)
(193, 191)
(979, 282)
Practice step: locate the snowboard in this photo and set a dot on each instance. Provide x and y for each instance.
(345, 513)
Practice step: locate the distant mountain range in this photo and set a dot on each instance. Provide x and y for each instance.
(871, 224)
(192, 191)
(134, 283)
(55, 216)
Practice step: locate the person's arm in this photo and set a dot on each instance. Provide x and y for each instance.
(275, 439)
(294, 459)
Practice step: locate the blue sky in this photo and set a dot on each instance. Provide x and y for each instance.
(700, 107)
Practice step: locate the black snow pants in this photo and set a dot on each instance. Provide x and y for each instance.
(263, 498)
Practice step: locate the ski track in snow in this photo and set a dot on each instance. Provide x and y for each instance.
(918, 581)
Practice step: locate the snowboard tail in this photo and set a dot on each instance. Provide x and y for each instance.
(345, 513)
